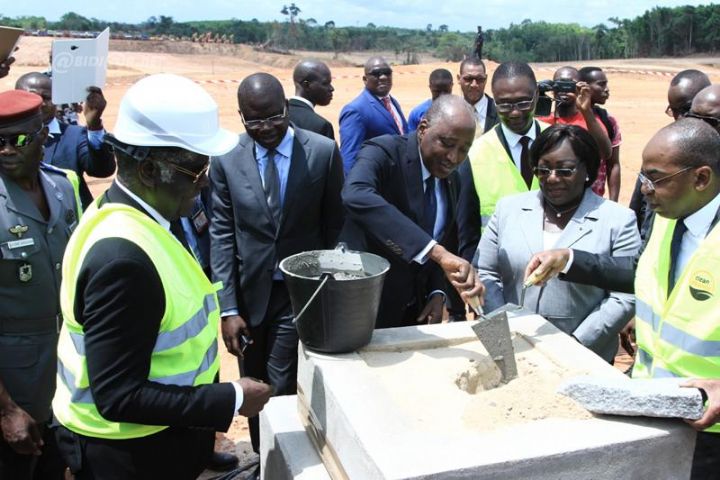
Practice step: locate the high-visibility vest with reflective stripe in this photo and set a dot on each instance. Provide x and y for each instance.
(678, 336)
(75, 182)
(494, 172)
(185, 352)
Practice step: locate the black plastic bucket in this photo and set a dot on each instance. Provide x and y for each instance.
(341, 318)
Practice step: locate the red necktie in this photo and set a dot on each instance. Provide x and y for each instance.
(389, 108)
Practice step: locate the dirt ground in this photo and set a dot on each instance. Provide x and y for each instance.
(638, 100)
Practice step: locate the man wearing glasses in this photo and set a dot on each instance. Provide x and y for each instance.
(38, 211)
(138, 350)
(683, 88)
(276, 194)
(675, 279)
(373, 113)
(500, 159)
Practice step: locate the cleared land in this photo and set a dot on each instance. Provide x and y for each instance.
(638, 99)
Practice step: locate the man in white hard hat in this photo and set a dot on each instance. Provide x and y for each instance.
(138, 349)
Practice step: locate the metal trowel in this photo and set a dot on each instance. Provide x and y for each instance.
(494, 333)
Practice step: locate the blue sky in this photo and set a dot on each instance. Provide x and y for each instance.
(458, 15)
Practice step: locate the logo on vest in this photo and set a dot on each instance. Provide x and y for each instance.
(702, 285)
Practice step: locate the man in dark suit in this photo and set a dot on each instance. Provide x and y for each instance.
(138, 351)
(401, 201)
(313, 86)
(472, 80)
(372, 113)
(276, 194)
(72, 147)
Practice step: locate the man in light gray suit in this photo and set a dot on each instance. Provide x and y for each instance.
(565, 213)
(276, 194)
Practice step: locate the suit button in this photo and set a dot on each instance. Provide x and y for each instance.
(57, 266)
(50, 230)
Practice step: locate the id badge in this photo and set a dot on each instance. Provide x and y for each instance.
(200, 222)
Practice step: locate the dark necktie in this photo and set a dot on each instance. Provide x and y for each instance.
(272, 186)
(680, 229)
(429, 207)
(525, 168)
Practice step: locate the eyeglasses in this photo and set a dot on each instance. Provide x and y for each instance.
(19, 140)
(542, 172)
(476, 78)
(678, 112)
(274, 120)
(509, 107)
(195, 176)
(651, 184)
(712, 121)
(379, 72)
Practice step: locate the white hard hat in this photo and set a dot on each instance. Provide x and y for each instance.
(168, 110)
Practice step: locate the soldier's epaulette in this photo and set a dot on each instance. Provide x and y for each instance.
(50, 168)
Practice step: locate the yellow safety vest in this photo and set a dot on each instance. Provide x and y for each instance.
(678, 336)
(494, 173)
(185, 352)
(75, 182)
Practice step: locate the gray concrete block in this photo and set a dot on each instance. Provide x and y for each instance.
(657, 397)
(286, 451)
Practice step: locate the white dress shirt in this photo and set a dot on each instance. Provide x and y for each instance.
(513, 141)
(698, 225)
(481, 111)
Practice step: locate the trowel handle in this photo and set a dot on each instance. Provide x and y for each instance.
(531, 280)
(474, 303)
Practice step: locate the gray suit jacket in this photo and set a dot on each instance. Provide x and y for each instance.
(592, 315)
(245, 244)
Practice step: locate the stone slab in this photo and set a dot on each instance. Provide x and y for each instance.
(395, 419)
(657, 397)
(286, 451)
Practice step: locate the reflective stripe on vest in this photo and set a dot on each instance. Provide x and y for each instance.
(494, 172)
(679, 335)
(185, 352)
(75, 182)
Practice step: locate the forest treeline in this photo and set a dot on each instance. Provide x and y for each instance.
(661, 31)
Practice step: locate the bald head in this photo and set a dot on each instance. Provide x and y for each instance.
(706, 104)
(452, 110)
(693, 143)
(567, 73)
(313, 81)
(263, 108)
(378, 76)
(683, 88)
(39, 84)
(446, 134)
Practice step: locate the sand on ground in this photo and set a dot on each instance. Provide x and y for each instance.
(638, 98)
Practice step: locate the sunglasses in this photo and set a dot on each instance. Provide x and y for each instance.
(542, 172)
(679, 112)
(712, 121)
(379, 72)
(19, 140)
(274, 120)
(509, 107)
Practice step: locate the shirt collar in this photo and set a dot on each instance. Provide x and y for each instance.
(481, 104)
(303, 100)
(699, 222)
(514, 138)
(150, 210)
(284, 149)
(54, 126)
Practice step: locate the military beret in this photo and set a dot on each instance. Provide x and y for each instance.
(18, 105)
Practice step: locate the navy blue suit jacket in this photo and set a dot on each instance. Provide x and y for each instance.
(383, 199)
(71, 150)
(362, 119)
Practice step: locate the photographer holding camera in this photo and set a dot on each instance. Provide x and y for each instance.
(573, 106)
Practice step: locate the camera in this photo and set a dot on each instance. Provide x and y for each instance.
(544, 105)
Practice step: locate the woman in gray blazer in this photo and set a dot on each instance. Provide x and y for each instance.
(564, 213)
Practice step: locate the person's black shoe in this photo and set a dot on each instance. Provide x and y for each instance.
(222, 461)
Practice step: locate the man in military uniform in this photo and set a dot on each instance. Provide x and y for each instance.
(38, 211)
